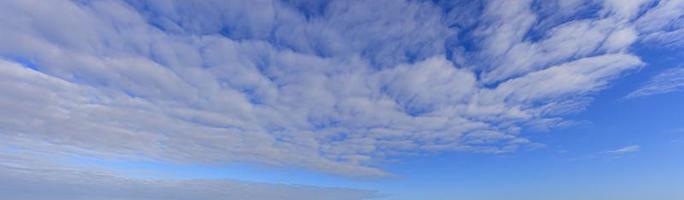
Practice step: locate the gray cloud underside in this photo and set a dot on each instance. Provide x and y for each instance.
(336, 87)
(22, 178)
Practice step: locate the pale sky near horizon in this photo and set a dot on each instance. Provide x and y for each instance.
(342, 100)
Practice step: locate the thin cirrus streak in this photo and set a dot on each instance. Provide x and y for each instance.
(670, 80)
(625, 150)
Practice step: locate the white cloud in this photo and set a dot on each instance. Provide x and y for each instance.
(670, 80)
(510, 53)
(576, 77)
(337, 90)
(624, 9)
(625, 150)
(664, 24)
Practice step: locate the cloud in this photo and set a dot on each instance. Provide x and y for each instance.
(625, 150)
(663, 25)
(670, 80)
(625, 10)
(337, 87)
(25, 178)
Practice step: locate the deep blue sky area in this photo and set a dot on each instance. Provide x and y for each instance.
(342, 100)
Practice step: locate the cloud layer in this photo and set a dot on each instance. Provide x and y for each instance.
(337, 86)
(26, 178)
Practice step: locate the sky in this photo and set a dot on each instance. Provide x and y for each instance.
(342, 100)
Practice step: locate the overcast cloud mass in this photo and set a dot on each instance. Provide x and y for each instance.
(336, 87)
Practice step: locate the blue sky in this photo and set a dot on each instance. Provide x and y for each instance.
(384, 99)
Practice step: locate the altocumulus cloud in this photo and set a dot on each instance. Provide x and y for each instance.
(336, 87)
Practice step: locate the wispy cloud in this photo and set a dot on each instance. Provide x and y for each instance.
(670, 80)
(22, 177)
(337, 86)
(656, 30)
(625, 150)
